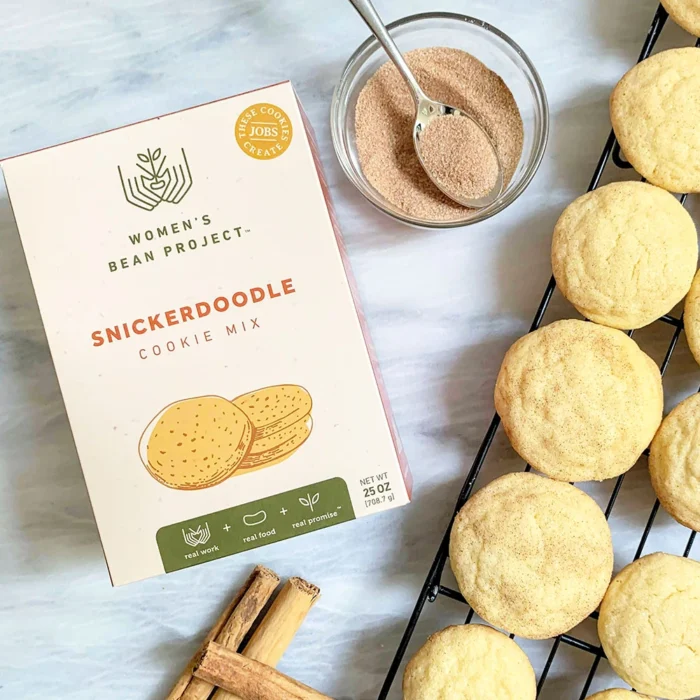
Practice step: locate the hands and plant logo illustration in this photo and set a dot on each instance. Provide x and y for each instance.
(154, 182)
(196, 537)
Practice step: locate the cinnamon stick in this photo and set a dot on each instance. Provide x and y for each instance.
(186, 675)
(278, 627)
(230, 628)
(250, 679)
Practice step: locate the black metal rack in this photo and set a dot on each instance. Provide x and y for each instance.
(432, 588)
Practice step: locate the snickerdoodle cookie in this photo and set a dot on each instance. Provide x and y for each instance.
(649, 626)
(685, 13)
(674, 462)
(655, 110)
(579, 401)
(691, 318)
(625, 254)
(618, 694)
(469, 662)
(531, 555)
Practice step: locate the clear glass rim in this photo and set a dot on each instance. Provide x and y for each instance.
(541, 137)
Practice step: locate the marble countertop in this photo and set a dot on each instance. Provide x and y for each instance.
(442, 307)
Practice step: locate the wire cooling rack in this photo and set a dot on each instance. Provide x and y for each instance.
(433, 589)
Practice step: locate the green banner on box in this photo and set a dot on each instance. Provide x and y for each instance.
(254, 524)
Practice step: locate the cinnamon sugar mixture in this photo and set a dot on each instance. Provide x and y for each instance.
(458, 155)
(384, 119)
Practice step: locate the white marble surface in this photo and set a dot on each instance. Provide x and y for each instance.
(442, 308)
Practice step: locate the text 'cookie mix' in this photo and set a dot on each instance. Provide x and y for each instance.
(189, 271)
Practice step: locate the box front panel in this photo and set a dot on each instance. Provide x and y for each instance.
(180, 263)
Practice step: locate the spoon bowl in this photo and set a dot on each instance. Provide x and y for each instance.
(426, 112)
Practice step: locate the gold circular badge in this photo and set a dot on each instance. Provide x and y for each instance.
(263, 131)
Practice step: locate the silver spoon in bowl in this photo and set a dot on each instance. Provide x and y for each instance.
(428, 110)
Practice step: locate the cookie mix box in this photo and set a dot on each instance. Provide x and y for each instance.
(212, 356)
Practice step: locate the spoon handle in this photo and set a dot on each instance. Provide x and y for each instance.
(369, 14)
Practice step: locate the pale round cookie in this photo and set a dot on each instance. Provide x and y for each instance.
(649, 626)
(655, 110)
(625, 254)
(674, 462)
(618, 694)
(691, 318)
(579, 401)
(685, 13)
(196, 443)
(469, 662)
(531, 555)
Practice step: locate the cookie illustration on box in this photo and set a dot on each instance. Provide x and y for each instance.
(200, 442)
(196, 443)
(281, 418)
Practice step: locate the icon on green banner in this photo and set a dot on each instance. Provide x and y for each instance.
(198, 536)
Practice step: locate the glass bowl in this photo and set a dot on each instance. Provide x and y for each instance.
(491, 46)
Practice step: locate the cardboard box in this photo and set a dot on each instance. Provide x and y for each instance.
(214, 364)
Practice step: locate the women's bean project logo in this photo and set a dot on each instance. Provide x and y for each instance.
(152, 182)
(263, 131)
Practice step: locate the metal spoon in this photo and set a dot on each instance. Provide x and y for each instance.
(426, 109)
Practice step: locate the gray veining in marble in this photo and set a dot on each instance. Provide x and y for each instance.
(442, 307)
